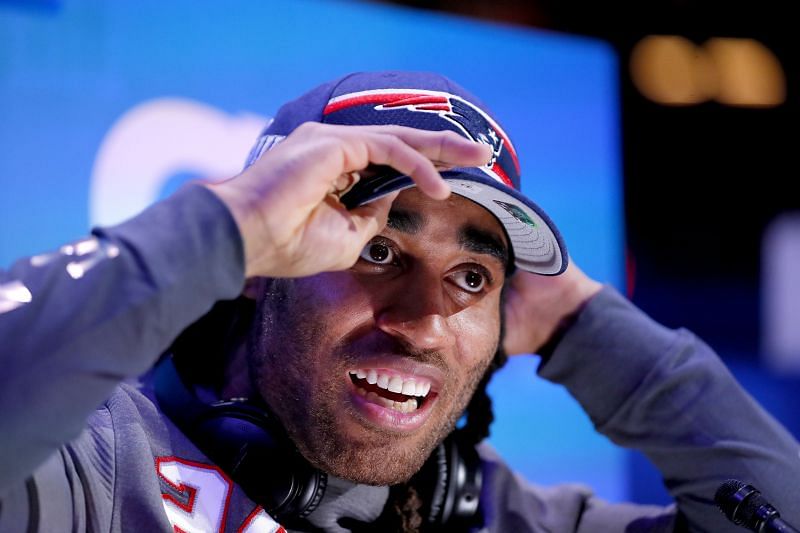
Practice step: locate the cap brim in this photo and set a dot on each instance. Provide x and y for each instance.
(536, 242)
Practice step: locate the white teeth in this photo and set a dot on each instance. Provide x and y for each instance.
(426, 388)
(394, 383)
(372, 377)
(409, 388)
(383, 381)
(407, 406)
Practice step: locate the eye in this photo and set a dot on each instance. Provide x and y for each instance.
(470, 280)
(379, 253)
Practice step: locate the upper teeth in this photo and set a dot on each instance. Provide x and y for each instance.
(394, 383)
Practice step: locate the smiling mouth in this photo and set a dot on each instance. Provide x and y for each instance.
(391, 391)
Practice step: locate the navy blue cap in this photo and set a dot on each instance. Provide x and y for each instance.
(430, 101)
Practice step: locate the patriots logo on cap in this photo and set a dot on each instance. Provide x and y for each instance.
(456, 111)
(464, 117)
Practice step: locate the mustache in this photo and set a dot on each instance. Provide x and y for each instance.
(358, 346)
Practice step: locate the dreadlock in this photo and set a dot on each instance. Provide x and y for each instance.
(479, 410)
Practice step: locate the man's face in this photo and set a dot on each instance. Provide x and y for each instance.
(368, 369)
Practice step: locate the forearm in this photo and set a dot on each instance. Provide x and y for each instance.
(667, 394)
(97, 318)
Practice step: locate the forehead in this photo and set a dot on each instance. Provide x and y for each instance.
(456, 223)
(413, 211)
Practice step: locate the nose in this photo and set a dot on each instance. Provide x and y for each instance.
(416, 313)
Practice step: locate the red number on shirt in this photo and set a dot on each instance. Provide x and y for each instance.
(207, 490)
(207, 493)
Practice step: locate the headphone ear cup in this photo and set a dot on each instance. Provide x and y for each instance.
(451, 481)
(245, 441)
(440, 485)
(464, 482)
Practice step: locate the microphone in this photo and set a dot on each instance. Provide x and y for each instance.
(743, 505)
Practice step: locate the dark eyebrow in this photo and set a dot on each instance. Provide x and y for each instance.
(405, 221)
(483, 242)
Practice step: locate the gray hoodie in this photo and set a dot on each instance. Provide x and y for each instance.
(79, 325)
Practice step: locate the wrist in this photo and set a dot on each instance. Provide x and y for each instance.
(247, 219)
(578, 300)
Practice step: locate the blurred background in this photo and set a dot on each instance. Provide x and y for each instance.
(660, 137)
(709, 106)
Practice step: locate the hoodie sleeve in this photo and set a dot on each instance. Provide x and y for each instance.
(667, 394)
(77, 321)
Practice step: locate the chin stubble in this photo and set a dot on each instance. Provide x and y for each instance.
(287, 334)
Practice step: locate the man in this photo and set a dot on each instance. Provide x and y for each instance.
(371, 314)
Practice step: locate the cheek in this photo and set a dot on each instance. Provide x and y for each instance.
(477, 333)
(334, 294)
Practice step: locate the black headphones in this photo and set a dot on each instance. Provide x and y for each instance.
(245, 441)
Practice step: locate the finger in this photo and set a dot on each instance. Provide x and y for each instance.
(344, 183)
(390, 150)
(445, 148)
(369, 219)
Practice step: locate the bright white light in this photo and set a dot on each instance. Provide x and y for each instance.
(13, 294)
(75, 270)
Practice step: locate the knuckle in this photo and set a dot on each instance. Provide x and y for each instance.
(307, 127)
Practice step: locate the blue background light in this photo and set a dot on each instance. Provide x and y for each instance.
(75, 77)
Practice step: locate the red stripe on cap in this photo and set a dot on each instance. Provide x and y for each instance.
(424, 102)
(379, 99)
(420, 100)
(508, 146)
(497, 169)
(433, 107)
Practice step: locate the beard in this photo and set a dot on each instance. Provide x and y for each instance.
(298, 369)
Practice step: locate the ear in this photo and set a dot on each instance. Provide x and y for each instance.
(253, 288)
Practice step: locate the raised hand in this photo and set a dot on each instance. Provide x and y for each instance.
(536, 305)
(291, 223)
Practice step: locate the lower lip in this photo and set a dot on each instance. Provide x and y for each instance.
(388, 418)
